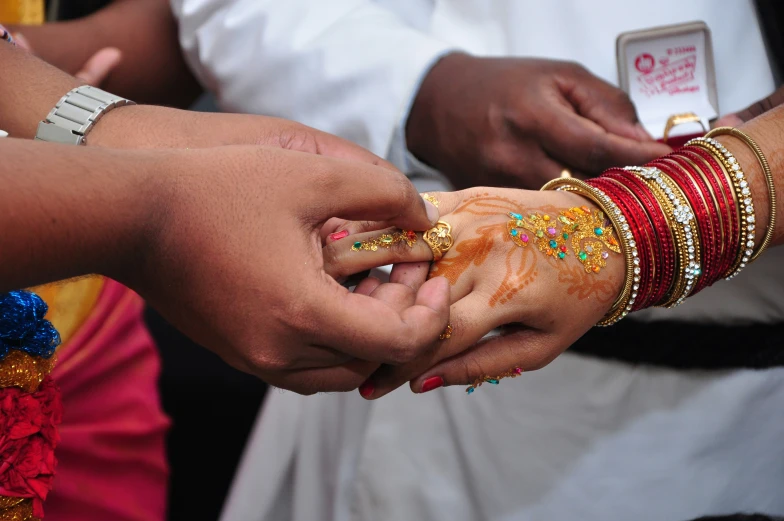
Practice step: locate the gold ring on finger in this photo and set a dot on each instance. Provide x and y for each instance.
(439, 238)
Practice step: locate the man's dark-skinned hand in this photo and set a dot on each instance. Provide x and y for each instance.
(752, 111)
(519, 122)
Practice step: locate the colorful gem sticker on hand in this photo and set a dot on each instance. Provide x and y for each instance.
(493, 380)
(386, 240)
(541, 230)
(588, 233)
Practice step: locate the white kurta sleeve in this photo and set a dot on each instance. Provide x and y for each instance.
(348, 67)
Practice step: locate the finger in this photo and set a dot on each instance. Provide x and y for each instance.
(518, 347)
(336, 229)
(411, 274)
(607, 106)
(367, 286)
(760, 107)
(366, 192)
(99, 66)
(471, 319)
(372, 330)
(22, 41)
(397, 296)
(730, 120)
(343, 258)
(341, 378)
(334, 146)
(586, 146)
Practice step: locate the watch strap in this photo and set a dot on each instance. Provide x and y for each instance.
(76, 113)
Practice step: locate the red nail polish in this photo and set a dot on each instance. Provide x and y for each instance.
(366, 389)
(434, 382)
(339, 235)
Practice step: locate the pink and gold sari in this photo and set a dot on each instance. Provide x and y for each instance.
(112, 462)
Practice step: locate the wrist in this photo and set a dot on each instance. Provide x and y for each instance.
(135, 203)
(131, 126)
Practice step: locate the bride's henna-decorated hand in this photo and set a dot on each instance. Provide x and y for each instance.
(528, 275)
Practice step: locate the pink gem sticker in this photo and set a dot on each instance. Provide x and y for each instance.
(605, 255)
(524, 238)
(551, 231)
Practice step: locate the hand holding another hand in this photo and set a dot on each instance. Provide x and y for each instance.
(542, 301)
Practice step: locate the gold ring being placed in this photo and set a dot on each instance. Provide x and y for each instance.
(566, 173)
(439, 238)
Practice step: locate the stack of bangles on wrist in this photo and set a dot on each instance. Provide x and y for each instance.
(684, 221)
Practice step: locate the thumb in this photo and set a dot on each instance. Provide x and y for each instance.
(99, 66)
(760, 107)
(730, 120)
(370, 193)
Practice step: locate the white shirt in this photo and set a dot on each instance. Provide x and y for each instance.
(581, 439)
(352, 68)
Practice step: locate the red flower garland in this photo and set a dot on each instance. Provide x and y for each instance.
(28, 437)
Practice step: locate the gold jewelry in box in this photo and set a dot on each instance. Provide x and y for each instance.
(681, 119)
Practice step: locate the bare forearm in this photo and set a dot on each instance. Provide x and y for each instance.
(152, 69)
(28, 91)
(68, 211)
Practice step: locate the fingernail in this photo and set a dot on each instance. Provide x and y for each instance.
(434, 382)
(643, 134)
(21, 41)
(432, 212)
(366, 389)
(338, 235)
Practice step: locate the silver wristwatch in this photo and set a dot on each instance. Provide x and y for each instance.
(73, 117)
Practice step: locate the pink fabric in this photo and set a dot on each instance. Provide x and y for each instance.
(112, 464)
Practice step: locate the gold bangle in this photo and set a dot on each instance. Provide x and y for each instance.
(623, 304)
(739, 134)
(743, 201)
(680, 217)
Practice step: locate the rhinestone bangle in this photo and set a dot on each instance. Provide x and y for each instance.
(768, 180)
(686, 233)
(743, 197)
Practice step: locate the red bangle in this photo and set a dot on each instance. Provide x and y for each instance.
(703, 216)
(662, 235)
(659, 234)
(717, 171)
(637, 229)
(719, 200)
(641, 226)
